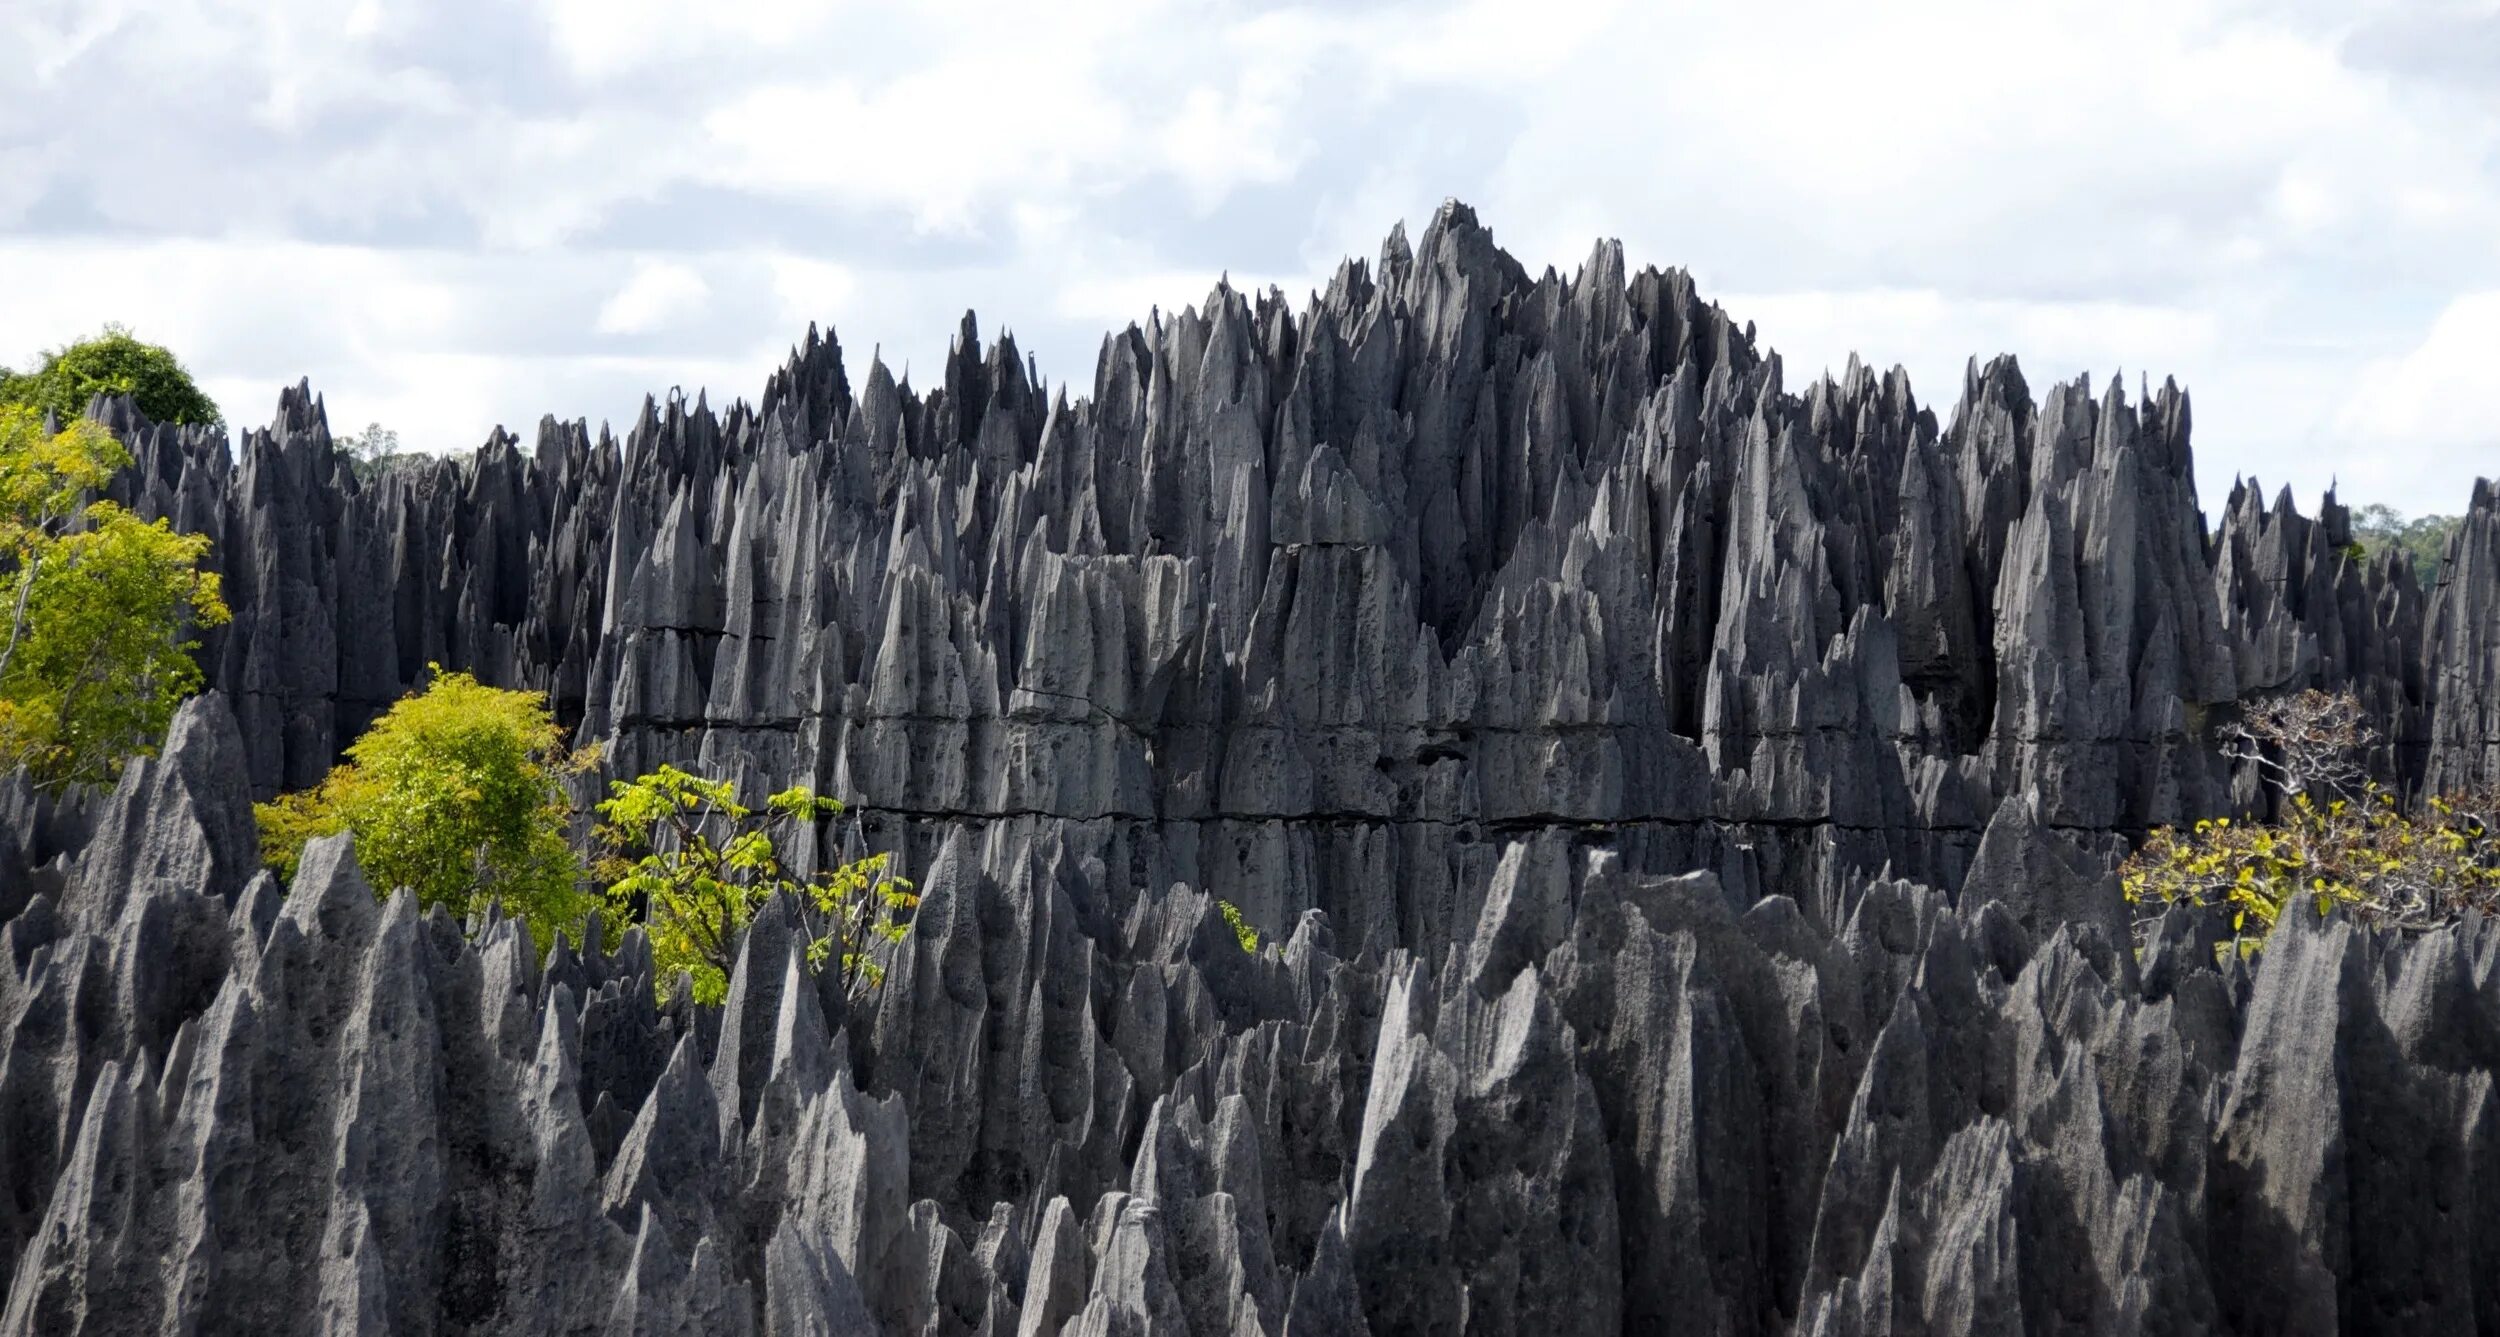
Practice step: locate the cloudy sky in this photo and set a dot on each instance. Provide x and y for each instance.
(454, 213)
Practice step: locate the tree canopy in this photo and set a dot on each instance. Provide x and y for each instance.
(456, 793)
(2423, 540)
(113, 362)
(370, 451)
(100, 607)
(699, 864)
(2341, 839)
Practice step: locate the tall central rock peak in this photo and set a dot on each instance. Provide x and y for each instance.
(1298, 607)
(1677, 811)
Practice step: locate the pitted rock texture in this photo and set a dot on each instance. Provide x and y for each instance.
(1618, 1102)
(1678, 813)
(1298, 608)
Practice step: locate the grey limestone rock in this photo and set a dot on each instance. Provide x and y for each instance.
(1676, 811)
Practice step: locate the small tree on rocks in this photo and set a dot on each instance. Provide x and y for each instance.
(457, 793)
(98, 608)
(2342, 838)
(698, 864)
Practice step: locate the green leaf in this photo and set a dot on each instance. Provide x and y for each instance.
(112, 362)
(457, 793)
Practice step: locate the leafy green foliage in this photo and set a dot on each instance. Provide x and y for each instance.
(2343, 840)
(2422, 541)
(456, 793)
(699, 864)
(114, 362)
(370, 451)
(1242, 931)
(98, 607)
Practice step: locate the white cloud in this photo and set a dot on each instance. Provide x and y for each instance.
(431, 343)
(810, 289)
(1216, 142)
(2440, 389)
(659, 292)
(1933, 335)
(599, 40)
(2426, 413)
(1113, 303)
(458, 211)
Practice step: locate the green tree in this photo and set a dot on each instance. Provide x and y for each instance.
(370, 451)
(100, 607)
(696, 891)
(114, 362)
(456, 793)
(2423, 540)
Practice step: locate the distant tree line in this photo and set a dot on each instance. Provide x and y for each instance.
(2422, 540)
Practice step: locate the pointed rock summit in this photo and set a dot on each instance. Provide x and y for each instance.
(1675, 812)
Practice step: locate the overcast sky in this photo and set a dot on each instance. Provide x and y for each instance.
(456, 213)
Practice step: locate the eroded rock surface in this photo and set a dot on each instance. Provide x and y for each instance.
(1677, 810)
(1293, 607)
(1618, 1102)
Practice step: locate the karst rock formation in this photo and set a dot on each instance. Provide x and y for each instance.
(1678, 813)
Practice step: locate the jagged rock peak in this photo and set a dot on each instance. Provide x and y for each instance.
(1676, 813)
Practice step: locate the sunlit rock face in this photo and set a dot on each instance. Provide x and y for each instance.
(1678, 813)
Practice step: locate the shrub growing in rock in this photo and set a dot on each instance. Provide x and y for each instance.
(697, 864)
(1243, 933)
(97, 607)
(456, 793)
(2342, 838)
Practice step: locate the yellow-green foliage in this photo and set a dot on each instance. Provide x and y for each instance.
(2383, 866)
(1248, 936)
(97, 607)
(698, 864)
(2355, 847)
(456, 793)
